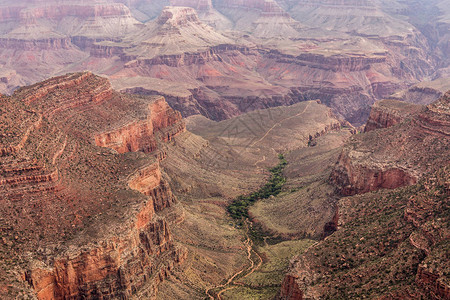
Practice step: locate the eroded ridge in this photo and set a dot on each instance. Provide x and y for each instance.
(408, 139)
(83, 220)
(392, 234)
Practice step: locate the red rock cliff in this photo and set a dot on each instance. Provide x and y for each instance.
(97, 213)
(399, 151)
(353, 176)
(290, 289)
(119, 267)
(141, 135)
(387, 113)
(391, 233)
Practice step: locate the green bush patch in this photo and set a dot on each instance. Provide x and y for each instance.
(238, 209)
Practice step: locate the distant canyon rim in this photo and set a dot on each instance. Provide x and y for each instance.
(224, 58)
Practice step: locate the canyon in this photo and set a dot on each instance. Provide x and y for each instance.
(104, 193)
(231, 57)
(400, 196)
(82, 240)
(125, 202)
(129, 129)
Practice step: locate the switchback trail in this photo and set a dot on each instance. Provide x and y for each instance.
(279, 124)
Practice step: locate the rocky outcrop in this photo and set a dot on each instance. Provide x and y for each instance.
(41, 44)
(185, 59)
(411, 252)
(163, 118)
(355, 178)
(88, 43)
(101, 50)
(436, 118)
(335, 63)
(104, 210)
(433, 283)
(176, 38)
(431, 236)
(406, 224)
(397, 159)
(39, 91)
(186, 105)
(178, 17)
(290, 289)
(116, 269)
(141, 135)
(123, 266)
(30, 179)
(133, 137)
(148, 181)
(388, 113)
(420, 94)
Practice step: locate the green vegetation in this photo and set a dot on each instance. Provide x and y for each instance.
(238, 209)
(265, 282)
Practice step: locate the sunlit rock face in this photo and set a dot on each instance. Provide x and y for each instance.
(87, 159)
(398, 174)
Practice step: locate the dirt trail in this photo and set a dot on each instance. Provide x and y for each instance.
(260, 161)
(279, 124)
(268, 131)
(231, 282)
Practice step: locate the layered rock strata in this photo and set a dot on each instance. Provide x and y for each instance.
(90, 226)
(401, 232)
(394, 156)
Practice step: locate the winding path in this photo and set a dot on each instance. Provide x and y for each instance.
(231, 282)
(279, 123)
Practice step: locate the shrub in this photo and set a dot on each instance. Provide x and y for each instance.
(238, 209)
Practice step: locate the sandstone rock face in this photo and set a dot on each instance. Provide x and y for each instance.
(364, 167)
(129, 138)
(388, 113)
(177, 31)
(142, 136)
(185, 103)
(116, 269)
(335, 63)
(99, 217)
(414, 138)
(355, 179)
